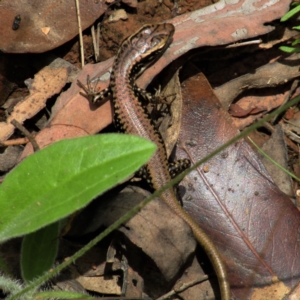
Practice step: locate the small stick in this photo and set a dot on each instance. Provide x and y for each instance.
(15, 142)
(182, 287)
(96, 38)
(247, 43)
(94, 42)
(27, 134)
(80, 34)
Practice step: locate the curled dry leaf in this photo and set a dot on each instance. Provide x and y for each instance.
(100, 284)
(264, 100)
(270, 75)
(254, 225)
(236, 111)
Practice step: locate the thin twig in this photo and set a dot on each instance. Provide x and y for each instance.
(15, 142)
(27, 134)
(183, 287)
(80, 33)
(96, 39)
(247, 43)
(94, 42)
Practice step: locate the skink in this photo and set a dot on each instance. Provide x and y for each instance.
(130, 116)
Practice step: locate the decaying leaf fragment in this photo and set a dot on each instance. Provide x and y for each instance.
(46, 83)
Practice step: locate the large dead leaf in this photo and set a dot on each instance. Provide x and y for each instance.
(254, 225)
(221, 23)
(154, 229)
(44, 25)
(264, 83)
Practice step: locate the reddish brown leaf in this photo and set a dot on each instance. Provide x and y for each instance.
(264, 101)
(43, 25)
(254, 225)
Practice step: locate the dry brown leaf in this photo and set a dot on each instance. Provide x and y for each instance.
(154, 229)
(48, 82)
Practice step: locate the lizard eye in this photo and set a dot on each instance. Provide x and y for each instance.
(148, 31)
(156, 40)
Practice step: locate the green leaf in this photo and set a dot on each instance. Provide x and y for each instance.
(290, 13)
(64, 177)
(61, 295)
(297, 28)
(39, 250)
(289, 49)
(296, 42)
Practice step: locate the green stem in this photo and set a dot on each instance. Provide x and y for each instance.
(273, 161)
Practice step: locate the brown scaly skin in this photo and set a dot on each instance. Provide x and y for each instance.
(140, 50)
